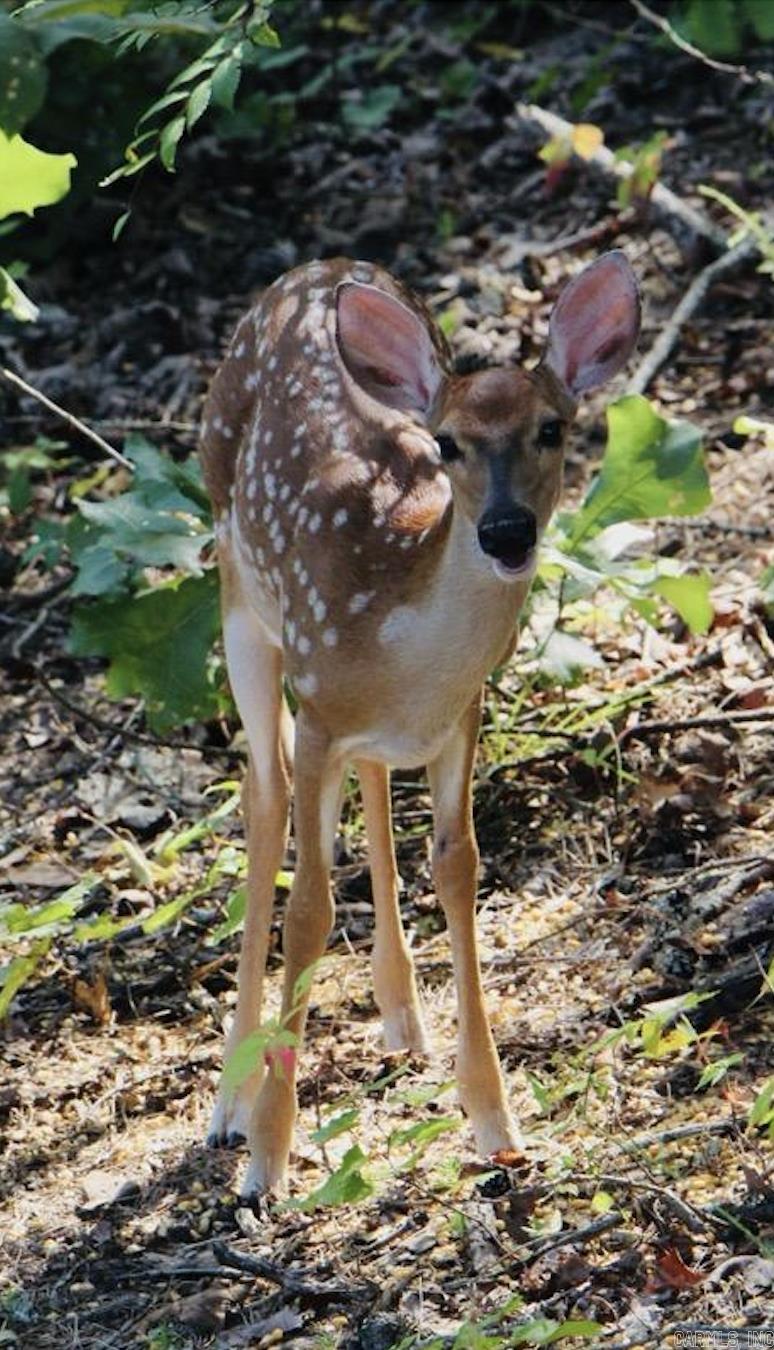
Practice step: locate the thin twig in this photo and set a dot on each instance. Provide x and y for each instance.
(661, 198)
(689, 723)
(667, 338)
(116, 729)
(729, 1126)
(748, 76)
(68, 417)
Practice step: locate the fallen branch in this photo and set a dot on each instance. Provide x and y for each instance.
(688, 1213)
(662, 199)
(667, 338)
(730, 1126)
(748, 76)
(293, 1283)
(580, 1235)
(66, 416)
(689, 723)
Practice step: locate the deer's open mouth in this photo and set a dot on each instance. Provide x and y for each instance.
(513, 561)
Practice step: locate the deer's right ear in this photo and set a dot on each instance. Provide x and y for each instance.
(386, 347)
(595, 324)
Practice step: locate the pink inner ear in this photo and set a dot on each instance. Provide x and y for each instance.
(595, 324)
(386, 347)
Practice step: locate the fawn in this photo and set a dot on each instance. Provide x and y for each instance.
(377, 524)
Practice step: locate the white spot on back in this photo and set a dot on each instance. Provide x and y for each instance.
(306, 685)
(360, 601)
(330, 637)
(340, 518)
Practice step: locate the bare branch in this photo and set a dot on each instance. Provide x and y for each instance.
(67, 417)
(667, 338)
(748, 76)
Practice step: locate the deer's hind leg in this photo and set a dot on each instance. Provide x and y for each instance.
(255, 673)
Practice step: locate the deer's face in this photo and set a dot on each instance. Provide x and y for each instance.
(501, 435)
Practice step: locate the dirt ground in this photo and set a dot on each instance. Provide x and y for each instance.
(644, 1200)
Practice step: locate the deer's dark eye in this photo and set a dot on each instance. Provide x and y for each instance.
(449, 448)
(550, 434)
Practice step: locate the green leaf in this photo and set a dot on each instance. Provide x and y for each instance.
(651, 468)
(169, 141)
(198, 103)
(689, 595)
(346, 1186)
(30, 178)
(158, 646)
(541, 1094)
(249, 1055)
(167, 100)
(346, 1120)
(304, 983)
(263, 35)
(53, 914)
(12, 298)
(225, 80)
(602, 1202)
(152, 525)
(763, 1106)
(18, 972)
(373, 110)
(167, 913)
(202, 66)
(714, 1073)
(23, 76)
(100, 572)
(235, 917)
(424, 1132)
(120, 226)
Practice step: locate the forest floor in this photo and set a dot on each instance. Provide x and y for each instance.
(609, 881)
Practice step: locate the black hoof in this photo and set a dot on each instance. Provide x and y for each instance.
(235, 1139)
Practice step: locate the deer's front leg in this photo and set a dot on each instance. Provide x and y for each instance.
(308, 921)
(395, 986)
(455, 870)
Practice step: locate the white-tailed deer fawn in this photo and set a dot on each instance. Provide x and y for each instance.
(377, 522)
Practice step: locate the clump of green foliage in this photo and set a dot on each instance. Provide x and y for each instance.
(226, 37)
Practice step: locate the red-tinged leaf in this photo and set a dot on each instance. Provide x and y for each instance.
(673, 1273)
(508, 1157)
(757, 697)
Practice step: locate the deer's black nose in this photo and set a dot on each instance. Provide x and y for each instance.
(508, 534)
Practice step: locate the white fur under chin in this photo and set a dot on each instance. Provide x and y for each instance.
(511, 574)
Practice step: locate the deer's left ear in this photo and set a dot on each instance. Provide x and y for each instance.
(594, 325)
